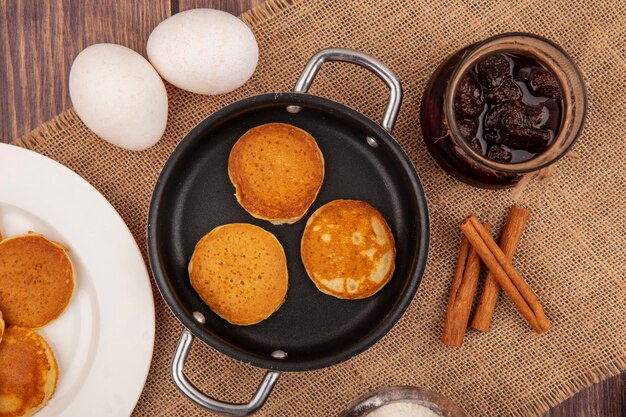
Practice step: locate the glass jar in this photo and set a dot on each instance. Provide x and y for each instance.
(368, 403)
(441, 131)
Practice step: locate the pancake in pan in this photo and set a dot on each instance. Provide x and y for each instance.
(348, 249)
(277, 170)
(28, 372)
(240, 272)
(36, 280)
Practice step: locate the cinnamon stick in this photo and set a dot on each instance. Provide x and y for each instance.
(462, 293)
(509, 239)
(505, 274)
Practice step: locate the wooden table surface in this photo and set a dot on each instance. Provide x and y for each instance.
(39, 40)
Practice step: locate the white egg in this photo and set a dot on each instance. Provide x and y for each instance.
(119, 96)
(204, 51)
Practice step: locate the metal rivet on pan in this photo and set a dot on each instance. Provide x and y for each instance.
(279, 354)
(199, 317)
(372, 142)
(293, 109)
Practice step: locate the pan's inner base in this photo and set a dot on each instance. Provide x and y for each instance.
(313, 328)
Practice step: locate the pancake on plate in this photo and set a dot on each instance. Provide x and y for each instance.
(348, 249)
(277, 170)
(240, 271)
(36, 280)
(28, 372)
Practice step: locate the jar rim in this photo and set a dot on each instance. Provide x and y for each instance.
(472, 54)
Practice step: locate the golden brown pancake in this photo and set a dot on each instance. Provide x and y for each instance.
(1, 326)
(28, 372)
(36, 280)
(277, 170)
(348, 249)
(240, 271)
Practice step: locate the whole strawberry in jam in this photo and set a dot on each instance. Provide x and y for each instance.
(508, 107)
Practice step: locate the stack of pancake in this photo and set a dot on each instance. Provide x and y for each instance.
(36, 285)
(240, 270)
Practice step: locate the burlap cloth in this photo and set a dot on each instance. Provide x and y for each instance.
(572, 251)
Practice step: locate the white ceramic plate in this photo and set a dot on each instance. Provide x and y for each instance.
(103, 341)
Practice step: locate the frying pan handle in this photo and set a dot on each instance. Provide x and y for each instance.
(350, 55)
(206, 402)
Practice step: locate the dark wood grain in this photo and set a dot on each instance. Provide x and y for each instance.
(38, 42)
(235, 7)
(604, 399)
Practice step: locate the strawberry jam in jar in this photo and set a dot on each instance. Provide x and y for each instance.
(501, 108)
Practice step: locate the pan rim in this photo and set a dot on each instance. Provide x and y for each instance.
(416, 270)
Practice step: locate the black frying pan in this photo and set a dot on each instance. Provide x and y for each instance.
(194, 195)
